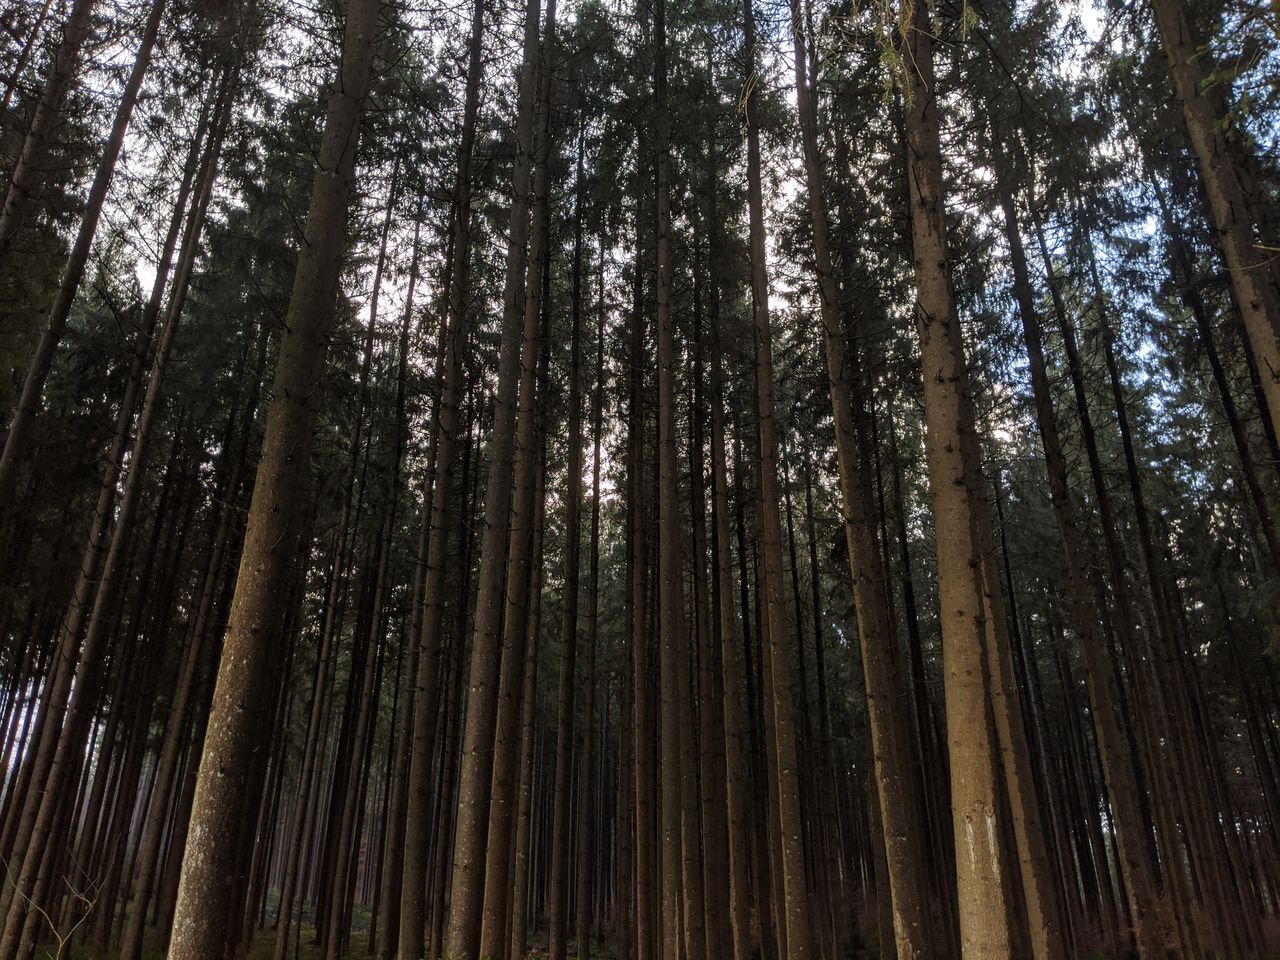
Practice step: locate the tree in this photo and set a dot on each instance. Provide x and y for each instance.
(250, 653)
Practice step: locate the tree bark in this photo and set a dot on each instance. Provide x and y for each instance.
(984, 893)
(466, 902)
(793, 911)
(586, 852)
(896, 784)
(251, 653)
(561, 803)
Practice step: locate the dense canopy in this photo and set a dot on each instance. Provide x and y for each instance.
(715, 480)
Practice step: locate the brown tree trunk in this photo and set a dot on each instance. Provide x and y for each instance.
(892, 755)
(586, 851)
(85, 640)
(521, 300)
(391, 866)
(251, 651)
(778, 639)
(558, 892)
(672, 623)
(639, 609)
(518, 941)
(736, 736)
(713, 771)
(505, 779)
(984, 892)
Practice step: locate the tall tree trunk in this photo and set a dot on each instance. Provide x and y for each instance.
(391, 866)
(506, 749)
(896, 782)
(518, 908)
(984, 891)
(736, 737)
(558, 893)
(639, 610)
(251, 653)
(411, 939)
(520, 302)
(671, 610)
(586, 852)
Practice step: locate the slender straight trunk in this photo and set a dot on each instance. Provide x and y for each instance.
(759, 859)
(1230, 214)
(693, 903)
(391, 866)
(561, 804)
(639, 610)
(1113, 744)
(984, 891)
(896, 783)
(584, 831)
(505, 777)
(251, 654)
(438, 886)
(411, 938)
(672, 625)
(709, 683)
(518, 907)
(17, 207)
(737, 786)
(623, 893)
(521, 300)
(829, 827)
(793, 912)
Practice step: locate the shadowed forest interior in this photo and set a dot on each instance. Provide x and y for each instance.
(640, 479)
